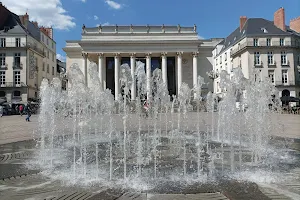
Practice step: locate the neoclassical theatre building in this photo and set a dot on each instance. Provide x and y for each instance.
(176, 50)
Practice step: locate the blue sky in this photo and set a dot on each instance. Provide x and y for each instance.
(216, 18)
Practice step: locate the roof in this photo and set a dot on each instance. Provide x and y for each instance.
(254, 27)
(15, 26)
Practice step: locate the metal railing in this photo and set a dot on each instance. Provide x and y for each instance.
(13, 45)
(17, 65)
(244, 45)
(281, 83)
(35, 48)
(13, 84)
(4, 66)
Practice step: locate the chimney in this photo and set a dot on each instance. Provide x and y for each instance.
(279, 19)
(36, 24)
(295, 24)
(24, 19)
(243, 20)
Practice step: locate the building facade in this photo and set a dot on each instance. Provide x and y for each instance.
(176, 50)
(269, 48)
(22, 57)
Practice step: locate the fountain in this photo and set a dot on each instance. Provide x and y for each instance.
(88, 138)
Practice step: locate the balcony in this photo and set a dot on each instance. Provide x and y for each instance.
(212, 74)
(286, 64)
(263, 44)
(13, 45)
(13, 84)
(3, 66)
(288, 83)
(36, 49)
(259, 65)
(272, 65)
(17, 65)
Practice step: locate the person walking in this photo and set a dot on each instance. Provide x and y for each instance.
(28, 112)
(21, 109)
(1, 111)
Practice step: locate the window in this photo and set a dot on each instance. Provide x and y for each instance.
(2, 77)
(47, 68)
(226, 67)
(270, 58)
(281, 42)
(284, 76)
(271, 76)
(52, 70)
(217, 61)
(226, 56)
(43, 39)
(239, 46)
(268, 41)
(48, 54)
(220, 59)
(2, 59)
(18, 42)
(17, 60)
(52, 45)
(256, 58)
(17, 77)
(17, 93)
(47, 41)
(283, 58)
(2, 94)
(2, 42)
(255, 42)
(298, 60)
(43, 66)
(53, 57)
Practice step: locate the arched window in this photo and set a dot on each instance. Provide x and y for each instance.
(285, 93)
(17, 93)
(2, 94)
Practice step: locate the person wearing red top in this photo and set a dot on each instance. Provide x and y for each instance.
(21, 109)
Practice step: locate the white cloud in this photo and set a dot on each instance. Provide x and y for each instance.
(96, 17)
(83, 1)
(200, 37)
(104, 24)
(45, 12)
(113, 4)
(61, 57)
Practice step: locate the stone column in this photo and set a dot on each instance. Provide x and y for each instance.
(195, 68)
(179, 70)
(148, 74)
(133, 86)
(101, 66)
(85, 56)
(164, 68)
(117, 69)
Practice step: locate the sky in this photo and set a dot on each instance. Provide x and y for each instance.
(214, 18)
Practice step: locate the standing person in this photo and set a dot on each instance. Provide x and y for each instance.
(17, 109)
(21, 109)
(28, 112)
(1, 111)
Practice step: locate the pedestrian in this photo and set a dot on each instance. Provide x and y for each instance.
(28, 112)
(1, 111)
(21, 109)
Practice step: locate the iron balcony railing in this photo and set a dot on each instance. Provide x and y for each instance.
(28, 45)
(17, 65)
(13, 84)
(35, 48)
(247, 44)
(287, 83)
(4, 66)
(13, 45)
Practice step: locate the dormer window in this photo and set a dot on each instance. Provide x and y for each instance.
(264, 30)
(6, 28)
(234, 38)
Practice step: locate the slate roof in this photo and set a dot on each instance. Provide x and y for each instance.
(253, 27)
(16, 27)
